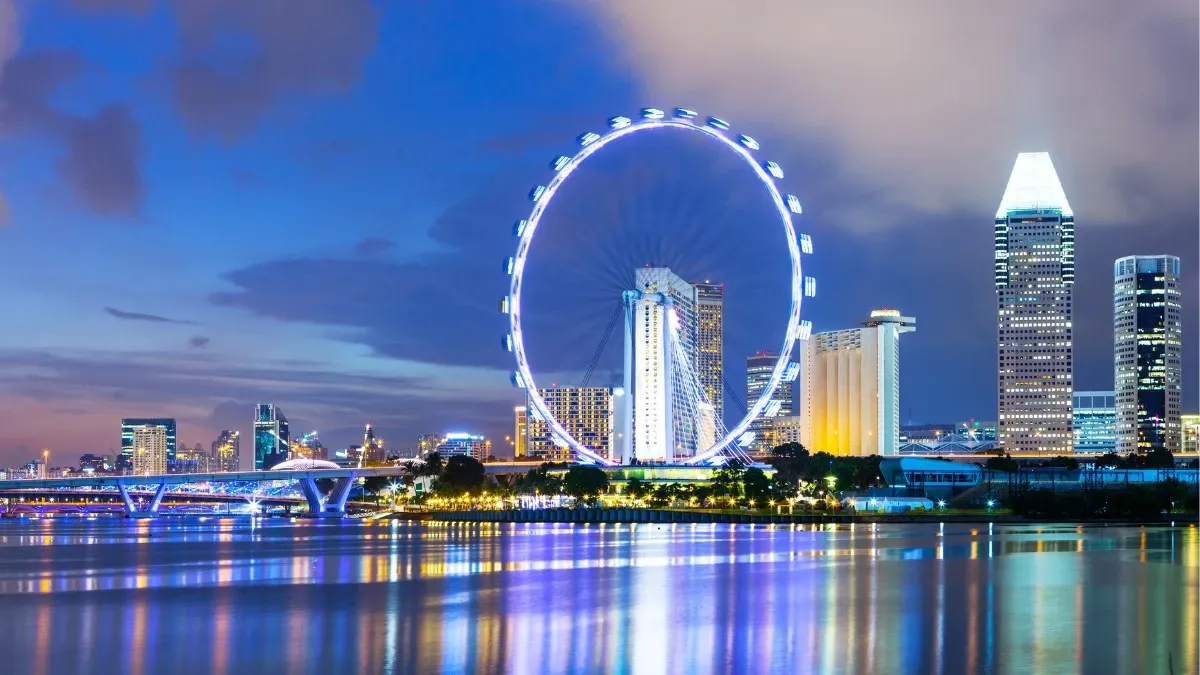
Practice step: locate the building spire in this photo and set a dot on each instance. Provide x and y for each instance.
(1033, 185)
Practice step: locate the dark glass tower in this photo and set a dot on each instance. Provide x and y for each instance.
(271, 436)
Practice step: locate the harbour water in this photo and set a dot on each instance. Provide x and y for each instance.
(233, 596)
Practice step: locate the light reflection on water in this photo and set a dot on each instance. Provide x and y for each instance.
(234, 596)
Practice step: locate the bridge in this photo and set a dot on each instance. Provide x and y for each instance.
(331, 506)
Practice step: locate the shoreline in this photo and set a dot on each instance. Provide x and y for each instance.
(668, 516)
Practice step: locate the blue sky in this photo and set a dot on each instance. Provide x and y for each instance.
(206, 205)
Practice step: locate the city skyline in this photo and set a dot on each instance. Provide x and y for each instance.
(308, 272)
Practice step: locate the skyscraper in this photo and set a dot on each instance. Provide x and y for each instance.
(710, 343)
(125, 459)
(272, 439)
(520, 432)
(587, 413)
(372, 448)
(660, 432)
(767, 434)
(851, 387)
(227, 451)
(149, 450)
(1035, 275)
(1147, 334)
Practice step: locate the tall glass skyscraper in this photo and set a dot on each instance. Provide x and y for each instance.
(1035, 276)
(1147, 344)
(271, 436)
(766, 427)
(710, 342)
(125, 460)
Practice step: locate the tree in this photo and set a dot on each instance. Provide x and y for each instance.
(585, 483)
(463, 474)
(1109, 460)
(538, 481)
(790, 461)
(727, 481)
(664, 494)
(1159, 458)
(432, 466)
(1005, 463)
(756, 486)
(637, 489)
(1068, 463)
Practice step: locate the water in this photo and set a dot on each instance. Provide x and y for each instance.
(228, 596)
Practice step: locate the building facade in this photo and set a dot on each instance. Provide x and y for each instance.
(587, 413)
(227, 451)
(125, 459)
(765, 427)
(710, 344)
(520, 432)
(851, 387)
(1035, 277)
(1095, 421)
(660, 432)
(373, 449)
(149, 450)
(272, 439)
(1147, 352)
(429, 443)
(459, 443)
(1190, 425)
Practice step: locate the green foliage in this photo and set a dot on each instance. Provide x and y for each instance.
(462, 475)
(538, 481)
(637, 489)
(1137, 501)
(1068, 463)
(727, 481)
(664, 494)
(793, 464)
(756, 486)
(585, 483)
(432, 465)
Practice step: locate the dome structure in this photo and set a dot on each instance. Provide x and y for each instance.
(304, 465)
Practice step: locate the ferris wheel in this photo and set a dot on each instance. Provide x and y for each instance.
(722, 441)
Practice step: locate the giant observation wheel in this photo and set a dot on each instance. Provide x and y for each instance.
(786, 205)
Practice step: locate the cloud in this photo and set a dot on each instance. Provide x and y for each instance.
(373, 246)
(132, 6)
(139, 316)
(102, 160)
(926, 106)
(239, 59)
(199, 342)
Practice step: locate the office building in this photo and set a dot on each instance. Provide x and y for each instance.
(149, 450)
(272, 439)
(1190, 425)
(782, 403)
(851, 387)
(1147, 346)
(373, 450)
(520, 432)
(125, 460)
(91, 463)
(710, 345)
(661, 433)
(459, 443)
(1095, 421)
(789, 430)
(227, 451)
(193, 460)
(1035, 276)
(586, 413)
(308, 446)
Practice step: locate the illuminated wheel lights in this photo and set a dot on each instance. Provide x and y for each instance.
(786, 205)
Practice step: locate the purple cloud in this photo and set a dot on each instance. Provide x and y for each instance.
(139, 316)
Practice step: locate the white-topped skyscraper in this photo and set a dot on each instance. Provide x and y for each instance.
(1147, 352)
(1035, 277)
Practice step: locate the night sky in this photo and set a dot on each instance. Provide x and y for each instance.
(206, 204)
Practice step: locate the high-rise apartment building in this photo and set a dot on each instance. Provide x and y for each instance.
(373, 449)
(1095, 421)
(710, 344)
(1147, 346)
(660, 432)
(520, 432)
(460, 443)
(587, 413)
(851, 387)
(428, 443)
(272, 439)
(149, 450)
(1035, 275)
(227, 451)
(125, 459)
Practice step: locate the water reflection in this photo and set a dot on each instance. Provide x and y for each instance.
(230, 596)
